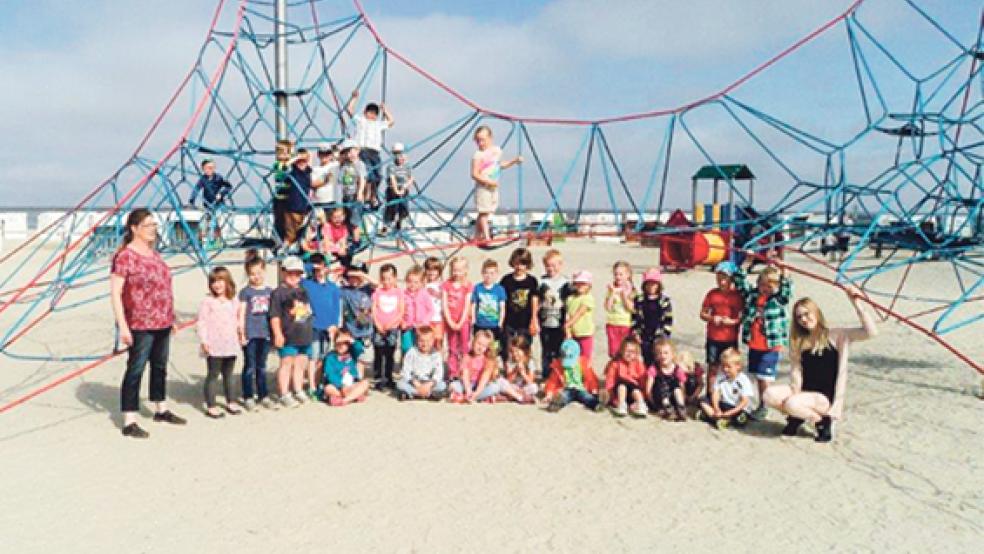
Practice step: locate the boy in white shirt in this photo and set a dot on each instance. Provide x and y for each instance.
(367, 133)
(730, 399)
(422, 372)
(324, 176)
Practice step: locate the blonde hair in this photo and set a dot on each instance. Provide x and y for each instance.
(414, 270)
(625, 264)
(551, 254)
(664, 341)
(686, 359)
(220, 273)
(491, 352)
(770, 273)
(730, 355)
(800, 339)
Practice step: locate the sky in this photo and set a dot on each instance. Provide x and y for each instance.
(85, 79)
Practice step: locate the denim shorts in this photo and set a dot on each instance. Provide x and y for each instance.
(713, 350)
(321, 345)
(763, 364)
(295, 350)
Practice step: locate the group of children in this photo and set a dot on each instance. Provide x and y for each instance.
(472, 342)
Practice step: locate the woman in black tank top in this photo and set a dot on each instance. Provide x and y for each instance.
(819, 368)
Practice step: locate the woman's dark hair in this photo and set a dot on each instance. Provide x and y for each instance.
(133, 219)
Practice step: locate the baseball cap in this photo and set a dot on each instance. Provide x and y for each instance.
(582, 276)
(348, 143)
(360, 267)
(652, 274)
(570, 351)
(397, 147)
(725, 267)
(293, 263)
(324, 148)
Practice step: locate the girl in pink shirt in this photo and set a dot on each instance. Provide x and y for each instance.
(456, 299)
(218, 326)
(476, 382)
(388, 309)
(419, 307)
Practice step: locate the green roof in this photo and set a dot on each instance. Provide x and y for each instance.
(724, 172)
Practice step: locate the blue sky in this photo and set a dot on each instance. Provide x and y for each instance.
(89, 77)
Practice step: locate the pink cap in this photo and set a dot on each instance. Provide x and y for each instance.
(652, 274)
(582, 276)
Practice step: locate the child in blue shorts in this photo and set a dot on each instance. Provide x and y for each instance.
(290, 324)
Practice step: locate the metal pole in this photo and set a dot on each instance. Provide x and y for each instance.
(280, 53)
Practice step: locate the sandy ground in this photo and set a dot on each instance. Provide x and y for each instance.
(905, 472)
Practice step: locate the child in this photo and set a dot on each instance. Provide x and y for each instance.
(290, 322)
(489, 302)
(653, 316)
(218, 319)
(665, 381)
(281, 167)
(625, 379)
(336, 236)
(618, 306)
(553, 293)
(721, 310)
(519, 382)
(571, 379)
(433, 270)
(419, 308)
(356, 296)
(422, 374)
(399, 179)
(580, 305)
(254, 333)
(324, 176)
(731, 396)
(388, 308)
(367, 133)
(352, 178)
(522, 301)
(765, 326)
(485, 169)
(476, 381)
(343, 376)
(694, 383)
(325, 299)
(456, 295)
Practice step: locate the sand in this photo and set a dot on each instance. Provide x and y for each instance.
(904, 474)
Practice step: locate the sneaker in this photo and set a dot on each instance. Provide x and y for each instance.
(135, 431)
(168, 417)
(639, 410)
(760, 413)
(269, 404)
(792, 426)
(722, 423)
(301, 397)
(741, 419)
(555, 405)
(825, 430)
(313, 395)
(288, 401)
(250, 405)
(621, 410)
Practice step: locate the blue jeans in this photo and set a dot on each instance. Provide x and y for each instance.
(570, 394)
(321, 345)
(404, 385)
(147, 346)
(491, 389)
(254, 367)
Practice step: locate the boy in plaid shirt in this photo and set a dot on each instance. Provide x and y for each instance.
(764, 325)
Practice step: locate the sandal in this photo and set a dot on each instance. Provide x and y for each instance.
(214, 415)
(234, 409)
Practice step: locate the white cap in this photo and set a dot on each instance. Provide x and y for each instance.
(324, 147)
(348, 143)
(397, 147)
(293, 263)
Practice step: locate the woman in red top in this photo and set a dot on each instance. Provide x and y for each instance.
(143, 304)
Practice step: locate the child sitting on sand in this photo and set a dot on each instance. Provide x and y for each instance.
(485, 169)
(343, 377)
(478, 367)
(422, 372)
(218, 322)
(571, 379)
(519, 381)
(730, 398)
(665, 382)
(693, 386)
(625, 380)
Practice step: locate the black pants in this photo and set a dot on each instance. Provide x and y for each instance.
(216, 366)
(384, 345)
(662, 392)
(147, 346)
(550, 339)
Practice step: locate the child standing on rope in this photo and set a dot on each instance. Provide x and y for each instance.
(522, 300)
(254, 333)
(290, 322)
(218, 321)
(456, 295)
(619, 306)
(653, 317)
(399, 180)
(486, 165)
(553, 293)
(765, 325)
(352, 178)
(367, 133)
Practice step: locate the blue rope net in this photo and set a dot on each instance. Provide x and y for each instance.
(922, 205)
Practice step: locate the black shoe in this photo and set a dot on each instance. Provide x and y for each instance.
(825, 430)
(437, 396)
(169, 417)
(792, 426)
(402, 396)
(134, 430)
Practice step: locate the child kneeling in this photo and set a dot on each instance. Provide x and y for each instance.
(571, 379)
(344, 382)
(422, 374)
(731, 396)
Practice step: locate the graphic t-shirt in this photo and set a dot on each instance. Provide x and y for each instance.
(519, 300)
(348, 179)
(257, 311)
(434, 292)
(732, 391)
(293, 308)
(553, 293)
(726, 304)
(386, 304)
(619, 315)
(489, 163)
(357, 310)
(148, 300)
(573, 377)
(402, 174)
(487, 300)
